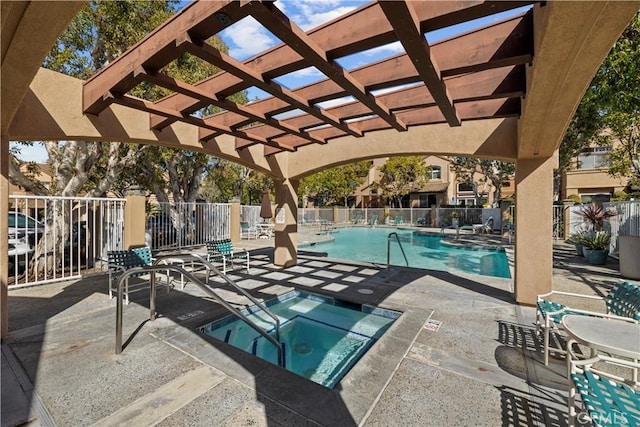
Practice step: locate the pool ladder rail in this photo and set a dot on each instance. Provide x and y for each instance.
(389, 249)
(157, 265)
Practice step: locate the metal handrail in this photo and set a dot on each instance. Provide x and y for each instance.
(389, 249)
(210, 267)
(152, 302)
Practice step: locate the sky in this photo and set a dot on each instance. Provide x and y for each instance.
(248, 37)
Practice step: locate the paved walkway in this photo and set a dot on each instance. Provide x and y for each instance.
(482, 366)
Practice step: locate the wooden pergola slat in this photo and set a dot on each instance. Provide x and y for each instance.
(276, 22)
(225, 62)
(364, 28)
(405, 23)
(475, 71)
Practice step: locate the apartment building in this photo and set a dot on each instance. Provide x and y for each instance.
(443, 188)
(589, 179)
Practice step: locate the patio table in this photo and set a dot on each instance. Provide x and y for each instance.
(611, 336)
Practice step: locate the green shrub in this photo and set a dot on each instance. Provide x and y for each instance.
(598, 241)
(619, 196)
(576, 198)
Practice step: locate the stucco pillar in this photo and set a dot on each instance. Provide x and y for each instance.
(286, 224)
(4, 238)
(234, 221)
(134, 219)
(566, 215)
(534, 223)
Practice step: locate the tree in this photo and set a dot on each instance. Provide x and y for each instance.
(335, 185)
(492, 172)
(400, 176)
(617, 88)
(97, 35)
(610, 110)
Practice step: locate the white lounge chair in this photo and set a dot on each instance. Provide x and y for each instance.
(486, 227)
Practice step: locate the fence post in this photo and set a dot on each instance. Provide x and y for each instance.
(336, 214)
(134, 218)
(234, 220)
(4, 242)
(566, 216)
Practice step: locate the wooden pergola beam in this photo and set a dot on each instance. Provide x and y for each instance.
(405, 23)
(225, 62)
(364, 28)
(156, 50)
(469, 55)
(195, 92)
(150, 107)
(278, 23)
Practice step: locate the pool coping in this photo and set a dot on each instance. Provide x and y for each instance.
(351, 400)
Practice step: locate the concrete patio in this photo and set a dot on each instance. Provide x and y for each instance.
(481, 367)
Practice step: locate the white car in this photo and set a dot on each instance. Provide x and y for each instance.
(24, 232)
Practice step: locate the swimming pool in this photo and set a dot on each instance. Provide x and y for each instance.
(322, 337)
(422, 250)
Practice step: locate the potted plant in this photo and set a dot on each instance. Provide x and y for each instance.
(596, 247)
(595, 216)
(578, 241)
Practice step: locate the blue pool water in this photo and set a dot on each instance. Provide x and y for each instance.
(322, 338)
(422, 250)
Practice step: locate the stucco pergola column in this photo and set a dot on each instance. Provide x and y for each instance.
(4, 243)
(534, 224)
(286, 237)
(134, 219)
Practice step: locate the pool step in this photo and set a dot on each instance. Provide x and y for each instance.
(227, 336)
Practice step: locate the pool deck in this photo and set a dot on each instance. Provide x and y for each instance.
(481, 366)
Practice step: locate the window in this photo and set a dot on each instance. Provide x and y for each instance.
(593, 158)
(506, 183)
(436, 172)
(465, 187)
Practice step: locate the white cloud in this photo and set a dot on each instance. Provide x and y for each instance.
(395, 47)
(393, 89)
(335, 102)
(246, 38)
(305, 72)
(312, 19)
(308, 14)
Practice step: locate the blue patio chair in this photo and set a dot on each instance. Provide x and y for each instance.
(248, 232)
(222, 251)
(622, 303)
(373, 220)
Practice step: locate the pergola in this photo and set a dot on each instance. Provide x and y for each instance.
(506, 91)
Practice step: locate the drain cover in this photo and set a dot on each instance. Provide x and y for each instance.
(365, 291)
(302, 348)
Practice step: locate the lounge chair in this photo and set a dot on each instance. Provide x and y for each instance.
(222, 251)
(373, 220)
(486, 227)
(248, 232)
(399, 220)
(357, 219)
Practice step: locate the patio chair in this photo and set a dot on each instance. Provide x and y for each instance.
(222, 251)
(622, 303)
(248, 232)
(357, 219)
(486, 227)
(121, 261)
(399, 220)
(373, 220)
(606, 400)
